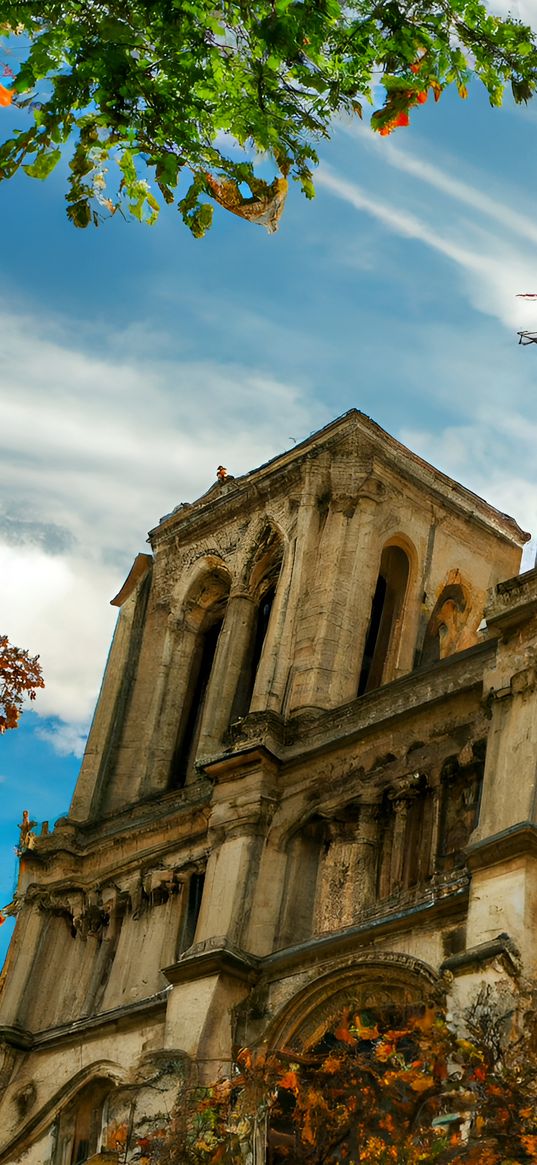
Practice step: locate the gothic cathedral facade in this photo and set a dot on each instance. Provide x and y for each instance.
(311, 771)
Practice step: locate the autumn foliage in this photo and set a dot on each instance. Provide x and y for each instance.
(390, 1088)
(20, 676)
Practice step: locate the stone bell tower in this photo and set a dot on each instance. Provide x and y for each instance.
(299, 767)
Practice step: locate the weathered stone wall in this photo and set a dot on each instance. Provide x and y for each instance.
(222, 881)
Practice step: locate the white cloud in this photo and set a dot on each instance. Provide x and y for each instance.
(94, 451)
(66, 739)
(520, 9)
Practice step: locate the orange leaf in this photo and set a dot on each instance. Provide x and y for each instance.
(363, 1032)
(289, 1080)
(422, 1083)
(6, 96)
(342, 1032)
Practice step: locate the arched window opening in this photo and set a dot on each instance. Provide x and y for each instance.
(444, 625)
(300, 890)
(211, 608)
(334, 1103)
(80, 1124)
(194, 893)
(264, 574)
(386, 610)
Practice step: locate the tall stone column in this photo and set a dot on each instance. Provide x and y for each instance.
(400, 805)
(108, 719)
(213, 976)
(244, 799)
(336, 879)
(234, 644)
(367, 846)
(347, 573)
(295, 630)
(502, 853)
(171, 690)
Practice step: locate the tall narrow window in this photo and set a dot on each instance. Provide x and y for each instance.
(386, 610)
(245, 687)
(207, 609)
(192, 910)
(263, 580)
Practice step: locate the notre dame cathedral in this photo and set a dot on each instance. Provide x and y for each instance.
(311, 774)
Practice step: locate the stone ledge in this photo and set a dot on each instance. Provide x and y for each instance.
(117, 1015)
(514, 602)
(213, 957)
(16, 1037)
(342, 941)
(477, 957)
(517, 841)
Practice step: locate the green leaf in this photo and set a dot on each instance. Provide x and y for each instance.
(43, 165)
(80, 213)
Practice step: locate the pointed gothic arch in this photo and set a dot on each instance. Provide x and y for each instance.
(385, 627)
(204, 611)
(262, 575)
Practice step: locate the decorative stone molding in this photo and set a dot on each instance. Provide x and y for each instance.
(369, 981)
(513, 602)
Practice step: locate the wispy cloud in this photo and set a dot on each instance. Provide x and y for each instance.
(496, 260)
(114, 443)
(439, 178)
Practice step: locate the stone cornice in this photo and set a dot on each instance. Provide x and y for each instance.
(213, 957)
(241, 761)
(260, 482)
(513, 602)
(517, 841)
(311, 732)
(69, 1032)
(443, 899)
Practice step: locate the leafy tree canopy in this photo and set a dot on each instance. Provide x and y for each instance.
(379, 1089)
(201, 93)
(20, 676)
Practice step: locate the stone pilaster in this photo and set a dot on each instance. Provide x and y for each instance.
(170, 696)
(109, 714)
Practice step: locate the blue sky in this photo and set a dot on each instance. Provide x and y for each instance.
(135, 360)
